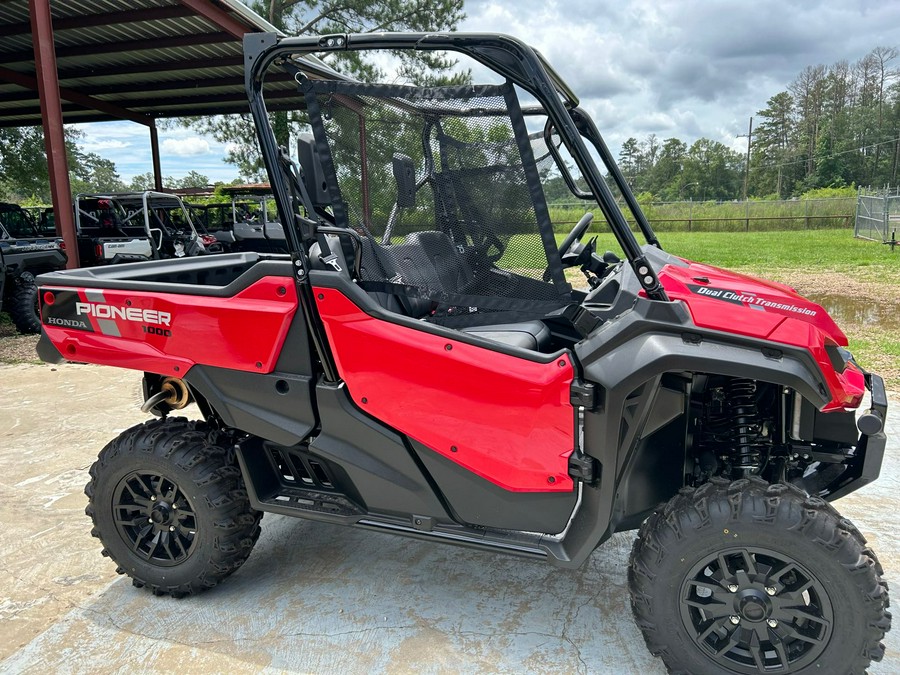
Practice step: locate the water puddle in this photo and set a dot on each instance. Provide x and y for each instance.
(847, 311)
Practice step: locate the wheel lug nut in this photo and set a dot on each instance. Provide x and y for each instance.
(735, 619)
(772, 623)
(171, 528)
(733, 588)
(771, 590)
(152, 498)
(150, 520)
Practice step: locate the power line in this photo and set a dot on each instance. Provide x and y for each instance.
(835, 154)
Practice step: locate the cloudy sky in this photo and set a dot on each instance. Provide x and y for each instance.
(683, 68)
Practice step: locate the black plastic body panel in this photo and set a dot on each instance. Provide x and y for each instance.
(275, 406)
(475, 501)
(296, 353)
(375, 458)
(37, 261)
(47, 351)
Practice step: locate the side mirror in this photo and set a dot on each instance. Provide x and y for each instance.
(313, 174)
(405, 175)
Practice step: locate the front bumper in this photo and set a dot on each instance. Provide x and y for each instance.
(865, 464)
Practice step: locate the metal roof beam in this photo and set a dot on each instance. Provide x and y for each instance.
(109, 18)
(205, 105)
(127, 46)
(29, 82)
(225, 97)
(169, 85)
(155, 67)
(220, 18)
(79, 115)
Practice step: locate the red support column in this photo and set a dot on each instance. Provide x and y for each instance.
(154, 150)
(51, 112)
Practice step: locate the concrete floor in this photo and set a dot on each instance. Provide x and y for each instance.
(312, 598)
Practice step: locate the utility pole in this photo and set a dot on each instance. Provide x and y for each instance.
(749, 135)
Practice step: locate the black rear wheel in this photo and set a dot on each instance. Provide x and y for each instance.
(169, 505)
(747, 577)
(23, 305)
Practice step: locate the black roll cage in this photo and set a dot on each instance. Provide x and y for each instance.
(503, 54)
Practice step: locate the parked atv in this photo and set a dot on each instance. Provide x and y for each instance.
(25, 254)
(245, 223)
(419, 364)
(134, 226)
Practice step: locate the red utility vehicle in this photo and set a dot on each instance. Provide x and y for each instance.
(420, 364)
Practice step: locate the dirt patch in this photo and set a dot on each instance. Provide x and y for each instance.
(15, 348)
(838, 284)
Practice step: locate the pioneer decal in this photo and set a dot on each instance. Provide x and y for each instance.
(100, 311)
(749, 300)
(89, 311)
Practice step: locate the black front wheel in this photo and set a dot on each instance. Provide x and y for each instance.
(169, 505)
(748, 577)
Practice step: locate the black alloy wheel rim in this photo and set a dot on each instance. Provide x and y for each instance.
(753, 610)
(155, 518)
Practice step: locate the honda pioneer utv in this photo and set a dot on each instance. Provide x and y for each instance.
(419, 364)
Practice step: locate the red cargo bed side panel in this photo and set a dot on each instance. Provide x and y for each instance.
(503, 418)
(167, 333)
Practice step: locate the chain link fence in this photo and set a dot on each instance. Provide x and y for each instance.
(734, 216)
(877, 214)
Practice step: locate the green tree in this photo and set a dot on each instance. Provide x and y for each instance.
(715, 168)
(92, 173)
(23, 162)
(192, 179)
(630, 162)
(771, 146)
(666, 176)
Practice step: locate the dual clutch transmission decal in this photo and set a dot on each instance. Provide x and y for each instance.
(750, 300)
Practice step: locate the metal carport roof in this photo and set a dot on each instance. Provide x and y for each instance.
(130, 59)
(67, 61)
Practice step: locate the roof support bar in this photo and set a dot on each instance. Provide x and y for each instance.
(73, 96)
(154, 151)
(51, 113)
(221, 18)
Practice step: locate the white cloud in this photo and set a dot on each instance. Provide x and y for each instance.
(185, 147)
(686, 68)
(101, 146)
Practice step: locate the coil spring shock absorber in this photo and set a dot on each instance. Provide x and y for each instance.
(746, 432)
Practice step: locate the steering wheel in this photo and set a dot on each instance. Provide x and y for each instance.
(490, 241)
(577, 233)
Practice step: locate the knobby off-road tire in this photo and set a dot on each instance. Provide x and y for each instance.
(23, 305)
(170, 508)
(761, 574)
